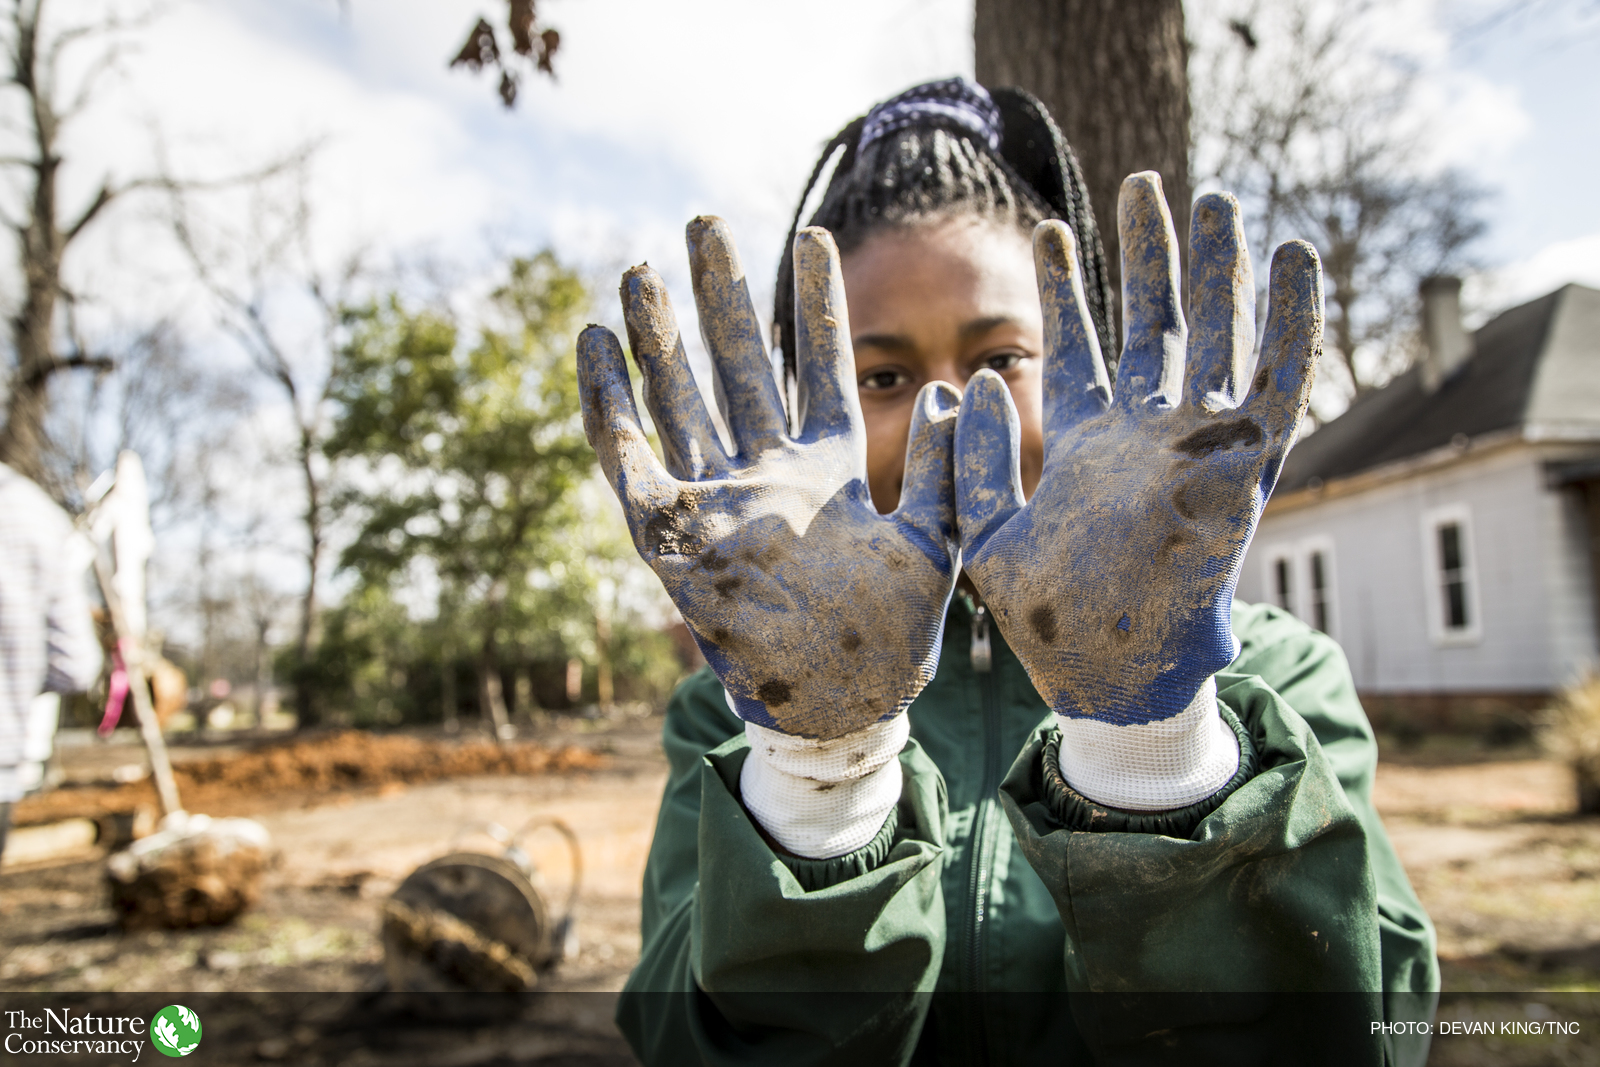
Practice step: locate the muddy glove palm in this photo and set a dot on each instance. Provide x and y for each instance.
(1115, 582)
(820, 616)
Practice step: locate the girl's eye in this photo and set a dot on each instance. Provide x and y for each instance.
(889, 378)
(1003, 361)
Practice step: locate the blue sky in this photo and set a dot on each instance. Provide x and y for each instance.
(1546, 222)
(1546, 57)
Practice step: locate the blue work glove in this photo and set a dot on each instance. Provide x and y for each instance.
(1114, 583)
(820, 616)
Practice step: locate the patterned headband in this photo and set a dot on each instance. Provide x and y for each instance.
(956, 102)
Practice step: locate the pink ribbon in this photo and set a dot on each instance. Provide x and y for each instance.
(116, 691)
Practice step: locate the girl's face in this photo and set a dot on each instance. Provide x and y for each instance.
(939, 302)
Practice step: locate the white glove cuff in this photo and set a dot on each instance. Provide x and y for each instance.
(821, 799)
(1155, 766)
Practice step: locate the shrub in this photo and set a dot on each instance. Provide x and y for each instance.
(1571, 733)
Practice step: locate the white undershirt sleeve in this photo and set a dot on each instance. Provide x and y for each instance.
(821, 799)
(1155, 766)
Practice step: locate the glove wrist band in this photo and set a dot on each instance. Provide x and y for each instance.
(822, 799)
(1153, 766)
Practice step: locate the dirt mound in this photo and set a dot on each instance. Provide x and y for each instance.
(308, 769)
(355, 760)
(196, 871)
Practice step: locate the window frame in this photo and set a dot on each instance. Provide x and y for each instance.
(1296, 555)
(1274, 555)
(1440, 631)
(1330, 583)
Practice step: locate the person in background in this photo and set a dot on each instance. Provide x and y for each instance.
(47, 639)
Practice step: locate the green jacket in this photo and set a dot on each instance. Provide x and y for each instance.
(999, 917)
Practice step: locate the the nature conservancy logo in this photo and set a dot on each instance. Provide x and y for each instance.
(74, 1032)
(175, 1031)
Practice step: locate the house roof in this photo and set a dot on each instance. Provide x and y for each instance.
(1534, 366)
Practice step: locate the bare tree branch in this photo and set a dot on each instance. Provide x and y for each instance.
(276, 254)
(1314, 126)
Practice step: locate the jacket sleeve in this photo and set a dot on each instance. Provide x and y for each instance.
(750, 956)
(74, 657)
(1284, 882)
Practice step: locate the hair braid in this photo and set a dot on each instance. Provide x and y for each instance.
(783, 299)
(942, 150)
(1033, 143)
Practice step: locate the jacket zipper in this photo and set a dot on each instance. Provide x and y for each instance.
(980, 855)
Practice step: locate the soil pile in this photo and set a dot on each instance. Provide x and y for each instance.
(307, 769)
(196, 871)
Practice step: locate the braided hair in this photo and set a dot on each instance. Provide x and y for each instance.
(947, 149)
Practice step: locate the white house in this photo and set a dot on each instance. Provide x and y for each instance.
(1446, 529)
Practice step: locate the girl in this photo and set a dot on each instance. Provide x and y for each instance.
(1187, 805)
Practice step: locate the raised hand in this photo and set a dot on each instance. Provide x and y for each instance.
(819, 615)
(1114, 582)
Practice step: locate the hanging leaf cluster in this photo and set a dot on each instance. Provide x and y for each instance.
(535, 44)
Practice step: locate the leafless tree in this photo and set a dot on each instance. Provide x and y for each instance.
(53, 70)
(1316, 127)
(283, 311)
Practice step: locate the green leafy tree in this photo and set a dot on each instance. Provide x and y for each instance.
(463, 461)
(370, 654)
(595, 600)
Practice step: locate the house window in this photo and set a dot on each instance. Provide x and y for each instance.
(1452, 576)
(1299, 577)
(1451, 579)
(1318, 565)
(1283, 583)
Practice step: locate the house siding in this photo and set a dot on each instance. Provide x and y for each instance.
(1536, 626)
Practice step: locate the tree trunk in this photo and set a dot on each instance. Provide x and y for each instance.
(40, 245)
(304, 696)
(602, 644)
(574, 681)
(1114, 73)
(22, 442)
(523, 706)
(449, 709)
(492, 699)
(491, 691)
(263, 669)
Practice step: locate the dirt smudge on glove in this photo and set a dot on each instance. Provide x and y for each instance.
(1180, 502)
(1175, 540)
(1220, 436)
(714, 562)
(1043, 621)
(775, 693)
(669, 532)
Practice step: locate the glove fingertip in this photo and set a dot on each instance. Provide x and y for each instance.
(986, 406)
(988, 458)
(712, 253)
(927, 494)
(599, 360)
(1055, 250)
(640, 282)
(1293, 338)
(939, 401)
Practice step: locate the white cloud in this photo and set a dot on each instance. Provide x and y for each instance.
(660, 112)
(1555, 265)
(1473, 119)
